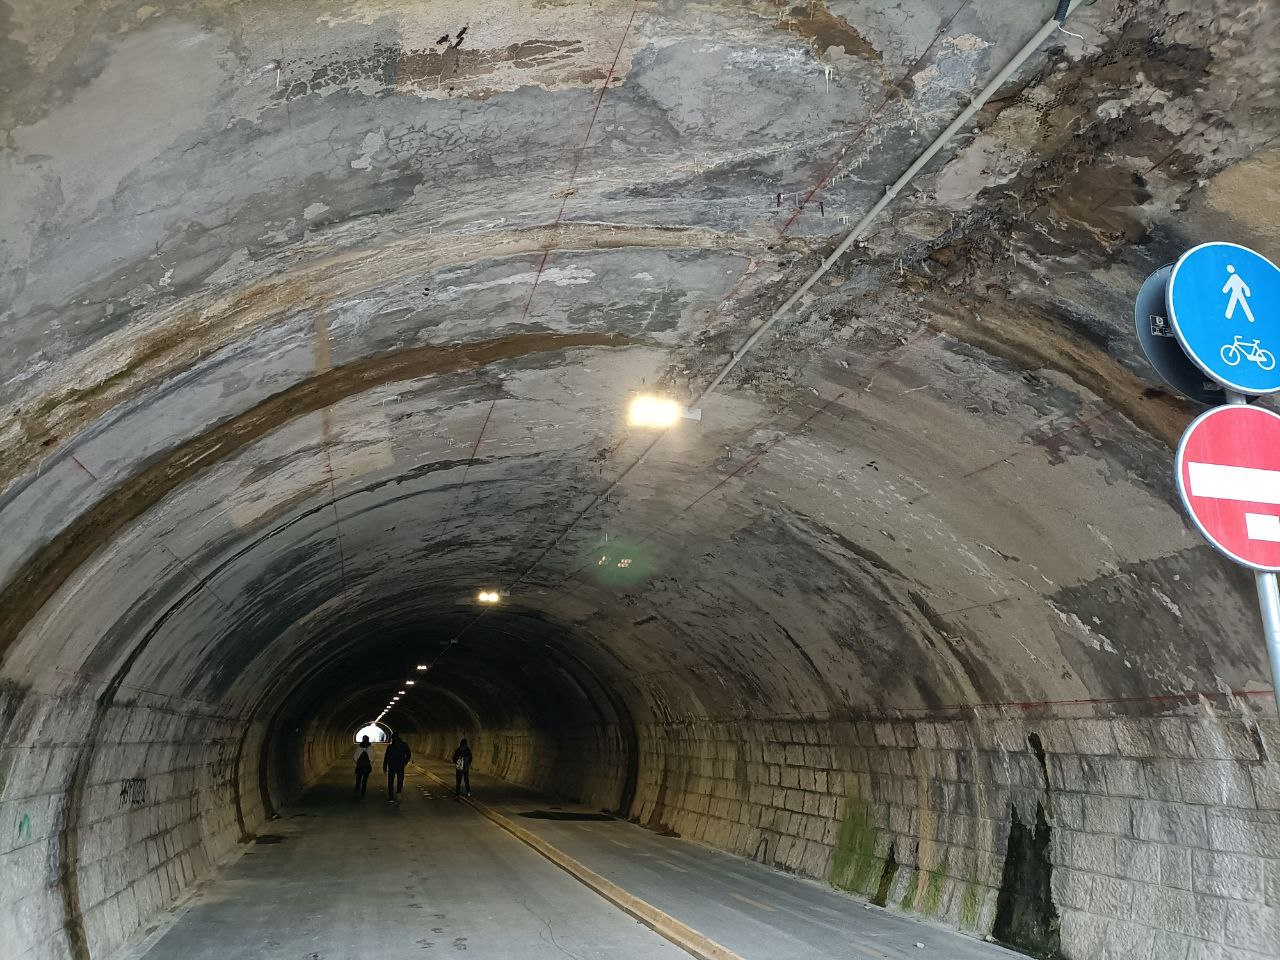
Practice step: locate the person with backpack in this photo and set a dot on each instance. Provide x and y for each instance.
(394, 761)
(364, 767)
(461, 769)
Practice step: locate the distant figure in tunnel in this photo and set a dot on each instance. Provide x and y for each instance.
(364, 767)
(461, 769)
(394, 761)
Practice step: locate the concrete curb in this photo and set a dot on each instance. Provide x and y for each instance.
(661, 923)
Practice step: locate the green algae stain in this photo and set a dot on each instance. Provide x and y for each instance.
(909, 896)
(970, 906)
(932, 899)
(971, 895)
(854, 864)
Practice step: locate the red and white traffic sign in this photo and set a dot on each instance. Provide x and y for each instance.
(1228, 470)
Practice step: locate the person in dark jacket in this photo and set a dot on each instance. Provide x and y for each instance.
(461, 769)
(394, 761)
(364, 767)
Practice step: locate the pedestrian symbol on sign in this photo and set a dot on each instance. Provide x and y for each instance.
(1240, 293)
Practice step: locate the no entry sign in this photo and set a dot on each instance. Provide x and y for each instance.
(1228, 470)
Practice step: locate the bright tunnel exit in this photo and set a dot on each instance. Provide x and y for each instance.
(374, 731)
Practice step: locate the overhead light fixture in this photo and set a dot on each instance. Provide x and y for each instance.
(657, 412)
(402, 693)
(410, 683)
(422, 666)
(488, 596)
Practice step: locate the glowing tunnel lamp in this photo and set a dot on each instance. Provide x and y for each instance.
(488, 596)
(422, 666)
(410, 683)
(653, 412)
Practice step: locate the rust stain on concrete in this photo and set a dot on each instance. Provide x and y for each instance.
(1027, 338)
(816, 23)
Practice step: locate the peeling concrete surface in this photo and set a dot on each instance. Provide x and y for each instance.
(317, 317)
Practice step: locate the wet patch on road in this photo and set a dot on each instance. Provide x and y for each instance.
(568, 815)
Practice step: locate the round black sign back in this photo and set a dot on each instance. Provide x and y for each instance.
(1151, 319)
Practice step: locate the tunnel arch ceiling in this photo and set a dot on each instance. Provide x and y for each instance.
(316, 326)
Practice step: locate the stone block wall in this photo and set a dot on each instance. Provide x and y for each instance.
(157, 809)
(298, 759)
(37, 756)
(1151, 839)
(158, 813)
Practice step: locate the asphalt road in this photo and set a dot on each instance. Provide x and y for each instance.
(333, 879)
(425, 878)
(758, 912)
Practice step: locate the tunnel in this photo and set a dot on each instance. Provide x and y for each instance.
(319, 320)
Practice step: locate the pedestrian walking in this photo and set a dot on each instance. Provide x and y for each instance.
(364, 767)
(394, 761)
(462, 769)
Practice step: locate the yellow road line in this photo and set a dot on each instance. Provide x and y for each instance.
(754, 903)
(871, 951)
(696, 944)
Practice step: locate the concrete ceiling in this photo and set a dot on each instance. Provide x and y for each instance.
(318, 317)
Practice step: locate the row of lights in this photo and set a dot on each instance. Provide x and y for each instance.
(485, 597)
(649, 411)
(396, 698)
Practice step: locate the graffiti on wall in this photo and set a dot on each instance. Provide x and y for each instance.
(133, 791)
(24, 827)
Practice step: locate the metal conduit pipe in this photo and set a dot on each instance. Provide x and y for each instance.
(1065, 7)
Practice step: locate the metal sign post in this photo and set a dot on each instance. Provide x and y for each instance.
(1269, 605)
(1222, 307)
(1268, 600)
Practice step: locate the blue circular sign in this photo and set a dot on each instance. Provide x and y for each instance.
(1224, 307)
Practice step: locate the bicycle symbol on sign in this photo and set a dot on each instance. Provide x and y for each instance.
(1251, 350)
